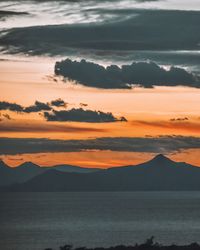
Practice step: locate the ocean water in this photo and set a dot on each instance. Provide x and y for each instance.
(35, 221)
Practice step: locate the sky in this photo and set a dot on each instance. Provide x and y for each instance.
(99, 83)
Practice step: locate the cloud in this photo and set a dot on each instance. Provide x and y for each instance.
(132, 29)
(47, 128)
(83, 104)
(74, 115)
(81, 115)
(58, 103)
(7, 116)
(174, 125)
(179, 119)
(160, 144)
(5, 14)
(11, 106)
(146, 74)
(37, 107)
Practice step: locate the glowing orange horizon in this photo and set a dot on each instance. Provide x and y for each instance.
(148, 111)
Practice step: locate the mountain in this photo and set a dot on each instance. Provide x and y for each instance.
(160, 173)
(19, 174)
(74, 169)
(28, 170)
(7, 177)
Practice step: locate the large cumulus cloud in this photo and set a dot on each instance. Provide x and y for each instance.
(146, 74)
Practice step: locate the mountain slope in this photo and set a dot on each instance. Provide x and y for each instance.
(159, 173)
(74, 169)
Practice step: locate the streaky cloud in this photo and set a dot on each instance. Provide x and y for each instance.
(159, 144)
(144, 30)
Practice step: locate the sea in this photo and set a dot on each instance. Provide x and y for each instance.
(35, 221)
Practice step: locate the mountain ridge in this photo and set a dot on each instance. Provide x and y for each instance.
(157, 174)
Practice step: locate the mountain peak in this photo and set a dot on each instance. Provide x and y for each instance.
(28, 164)
(160, 158)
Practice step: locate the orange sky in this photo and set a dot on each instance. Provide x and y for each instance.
(148, 112)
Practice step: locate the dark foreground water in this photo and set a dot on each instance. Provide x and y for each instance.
(34, 221)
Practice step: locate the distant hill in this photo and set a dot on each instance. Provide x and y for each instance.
(74, 169)
(160, 173)
(28, 170)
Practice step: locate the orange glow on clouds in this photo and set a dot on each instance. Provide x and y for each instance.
(98, 159)
(148, 112)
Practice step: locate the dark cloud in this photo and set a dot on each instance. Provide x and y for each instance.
(133, 29)
(58, 103)
(146, 74)
(37, 107)
(81, 115)
(161, 144)
(75, 115)
(179, 119)
(5, 14)
(83, 104)
(11, 106)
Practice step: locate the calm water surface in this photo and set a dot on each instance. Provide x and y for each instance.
(34, 221)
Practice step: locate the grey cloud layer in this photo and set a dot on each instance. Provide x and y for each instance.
(167, 37)
(162, 144)
(146, 30)
(144, 74)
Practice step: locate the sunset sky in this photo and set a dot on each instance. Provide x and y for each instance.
(89, 113)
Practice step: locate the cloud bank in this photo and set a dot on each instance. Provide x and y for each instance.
(142, 30)
(145, 74)
(161, 144)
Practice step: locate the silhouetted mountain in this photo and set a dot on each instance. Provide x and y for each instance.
(28, 170)
(160, 173)
(7, 176)
(19, 174)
